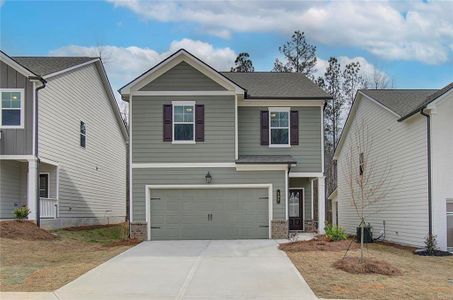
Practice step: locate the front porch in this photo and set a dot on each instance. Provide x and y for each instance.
(20, 182)
(306, 204)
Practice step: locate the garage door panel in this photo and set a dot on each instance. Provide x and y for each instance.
(183, 214)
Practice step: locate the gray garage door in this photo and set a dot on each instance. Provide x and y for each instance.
(209, 214)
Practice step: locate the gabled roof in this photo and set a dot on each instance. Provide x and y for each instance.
(171, 61)
(400, 101)
(277, 85)
(44, 65)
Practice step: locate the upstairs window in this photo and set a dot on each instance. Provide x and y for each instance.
(183, 122)
(83, 134)
(12, 108)
(279, 127)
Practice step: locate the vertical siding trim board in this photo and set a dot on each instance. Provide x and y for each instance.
(130, 165)
(236, 138)
(148, 188)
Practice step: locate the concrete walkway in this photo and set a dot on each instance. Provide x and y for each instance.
(241, 269)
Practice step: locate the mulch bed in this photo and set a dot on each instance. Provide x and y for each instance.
(369, 266)
(24, 230)
(319, 243)
(434, 253)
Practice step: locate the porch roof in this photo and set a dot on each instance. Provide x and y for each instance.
(266, 159)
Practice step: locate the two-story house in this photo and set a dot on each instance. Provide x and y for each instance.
(62, 142)
(218, 155)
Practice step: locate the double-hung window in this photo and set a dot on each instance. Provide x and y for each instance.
(12, 108)
(83, 134)
(183, 122)
(279, 127)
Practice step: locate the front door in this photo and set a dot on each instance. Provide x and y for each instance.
(295, 213)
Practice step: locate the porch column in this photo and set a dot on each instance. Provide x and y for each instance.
(321, 204)
(31, 188)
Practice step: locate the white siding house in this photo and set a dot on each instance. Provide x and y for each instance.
(398, 154)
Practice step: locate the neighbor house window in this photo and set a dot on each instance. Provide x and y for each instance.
(83, 134)
(12, 108)
(44, 185)
(361, 164)
(183, 121)
(279, 126)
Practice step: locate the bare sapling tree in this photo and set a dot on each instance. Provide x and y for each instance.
(366, 175)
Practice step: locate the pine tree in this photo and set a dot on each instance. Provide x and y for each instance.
(352, 81)
(243, 63)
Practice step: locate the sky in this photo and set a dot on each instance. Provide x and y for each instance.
(410, 42)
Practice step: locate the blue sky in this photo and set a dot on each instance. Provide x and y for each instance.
(410, 42)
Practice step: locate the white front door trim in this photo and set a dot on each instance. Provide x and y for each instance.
(150, 187)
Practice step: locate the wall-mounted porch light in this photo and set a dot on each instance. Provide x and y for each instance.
(278, 197)
(208, 178)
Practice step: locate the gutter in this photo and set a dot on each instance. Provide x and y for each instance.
(38, 208)
(428, 140)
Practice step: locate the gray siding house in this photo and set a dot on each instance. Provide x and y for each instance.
(62, 142)
(410, 145)
(218, 155)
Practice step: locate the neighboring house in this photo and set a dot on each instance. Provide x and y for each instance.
(224, 155)
(76, 162)
(411, 138)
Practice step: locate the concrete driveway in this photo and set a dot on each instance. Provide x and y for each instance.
(241, 269)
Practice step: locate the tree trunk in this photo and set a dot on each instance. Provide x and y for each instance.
(362, 228)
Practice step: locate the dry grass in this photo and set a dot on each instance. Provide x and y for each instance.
(422, 277)
(45, 265)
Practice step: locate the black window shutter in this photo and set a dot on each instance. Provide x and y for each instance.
(294, 122)
(264, 127)
(199, 122)
(168, 115)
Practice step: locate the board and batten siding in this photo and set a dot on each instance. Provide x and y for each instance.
(93, 180)
(307, 153)
(17, 141)
(174, 176)
(183, 77)
(147, 131)
(13, 192)
(398, 148)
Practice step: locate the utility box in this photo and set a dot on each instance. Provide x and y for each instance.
(367, 234)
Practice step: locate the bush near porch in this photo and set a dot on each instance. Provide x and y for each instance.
(421, 278)
(32, 259)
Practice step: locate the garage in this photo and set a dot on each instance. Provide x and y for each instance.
(209, 213)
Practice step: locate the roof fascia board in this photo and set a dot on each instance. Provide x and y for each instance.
(15, 65)
(429, 105)
(439, 99)
(113, 102)
(171, 62)
(70, 69)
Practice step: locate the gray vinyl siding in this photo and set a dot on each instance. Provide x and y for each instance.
(183, 77)
(13, 179)
(306, 184)
(171, 176)
(17, 141)
(147, 131)
(398, 148)
(92, 181)
(307, 153)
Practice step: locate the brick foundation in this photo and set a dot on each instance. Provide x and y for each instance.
(279, 229)
(138, 231)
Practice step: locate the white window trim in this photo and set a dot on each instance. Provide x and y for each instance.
(22, 109)
(181, 103)
(280, 109)
(48, 185)
(84, 134)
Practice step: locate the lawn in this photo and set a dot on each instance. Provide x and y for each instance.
(422, 277)
(45, 265)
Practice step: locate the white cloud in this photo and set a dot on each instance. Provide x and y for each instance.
(125, 63)
(392, 30)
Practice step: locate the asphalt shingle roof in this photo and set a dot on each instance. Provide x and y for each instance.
(42, 66)
(277, 85)
(266, 159)
(400, 101)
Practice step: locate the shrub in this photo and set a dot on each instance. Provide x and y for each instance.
(335, 233)
(22, 212)
(431, 244)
